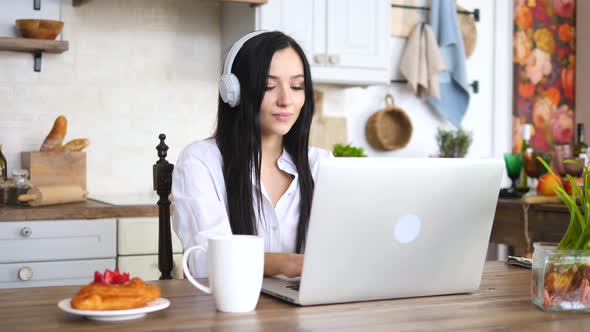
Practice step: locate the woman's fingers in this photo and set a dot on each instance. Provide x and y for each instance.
(293, 265)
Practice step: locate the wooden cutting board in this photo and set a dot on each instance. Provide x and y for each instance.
(326, 130)
(55, 168)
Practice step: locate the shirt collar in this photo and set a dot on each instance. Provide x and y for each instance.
(285, 163)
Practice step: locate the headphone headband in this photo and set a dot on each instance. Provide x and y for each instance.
(233, 51)
(229, 84)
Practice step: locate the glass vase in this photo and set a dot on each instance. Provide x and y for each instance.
(560, 278)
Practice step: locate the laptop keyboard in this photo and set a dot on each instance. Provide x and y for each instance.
(293, 286)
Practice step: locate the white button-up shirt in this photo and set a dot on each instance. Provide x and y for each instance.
(201, 209)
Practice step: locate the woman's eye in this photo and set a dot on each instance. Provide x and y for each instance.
(268, 88)
(297, 87)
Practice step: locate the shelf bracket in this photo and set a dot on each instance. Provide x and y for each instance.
(37, 4)
(38, 55)
(474, 85)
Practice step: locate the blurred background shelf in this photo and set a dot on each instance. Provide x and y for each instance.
(33, 45)
(78, 3)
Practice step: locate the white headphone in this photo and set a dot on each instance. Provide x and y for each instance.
(229, 85)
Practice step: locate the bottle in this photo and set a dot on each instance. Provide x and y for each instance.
(526, 152)
(580, 147)
(3, 169)
(20, 186)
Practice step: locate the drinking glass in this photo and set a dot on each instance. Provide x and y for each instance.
(513, 162)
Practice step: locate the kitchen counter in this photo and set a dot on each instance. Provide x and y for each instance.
(91, 209)
(503, 302)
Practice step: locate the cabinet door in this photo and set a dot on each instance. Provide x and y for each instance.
(139, 236)
(41, 240)
(56, 273)
(146, 266)
(358, 33)
(301, 19)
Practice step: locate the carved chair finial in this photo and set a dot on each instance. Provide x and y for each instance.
(162, 149)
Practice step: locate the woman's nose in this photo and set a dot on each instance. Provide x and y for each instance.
(284, 98)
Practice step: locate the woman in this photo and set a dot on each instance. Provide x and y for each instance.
(255, 175)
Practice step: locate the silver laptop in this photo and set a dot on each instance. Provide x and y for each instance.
(384, 228)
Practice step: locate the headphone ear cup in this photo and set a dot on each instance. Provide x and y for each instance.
(229, 89)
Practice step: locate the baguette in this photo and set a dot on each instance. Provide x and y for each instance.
(54, 140)
(76, 145)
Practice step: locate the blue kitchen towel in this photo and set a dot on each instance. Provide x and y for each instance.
(454, 94)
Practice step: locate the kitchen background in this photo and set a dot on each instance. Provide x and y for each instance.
(137, 68)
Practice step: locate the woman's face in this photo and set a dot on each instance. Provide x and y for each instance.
(285, 93)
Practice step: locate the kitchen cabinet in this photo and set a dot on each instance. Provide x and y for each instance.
(138, 248)
(55, 252)
(345, 41)
(58, 273)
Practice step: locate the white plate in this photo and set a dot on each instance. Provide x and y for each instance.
(115, 315)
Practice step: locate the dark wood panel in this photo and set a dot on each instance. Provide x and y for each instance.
(546, 223)
(32, 45)
(502, 303)
(90, 209)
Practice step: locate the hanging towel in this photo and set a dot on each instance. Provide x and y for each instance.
(422, 62)
(454, 94)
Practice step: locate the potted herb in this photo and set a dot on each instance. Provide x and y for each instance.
(348, 150)
(561, 272)
(453, 143)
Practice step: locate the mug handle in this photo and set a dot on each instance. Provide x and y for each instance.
(188, 272)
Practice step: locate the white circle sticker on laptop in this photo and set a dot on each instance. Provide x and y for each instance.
(407, 228)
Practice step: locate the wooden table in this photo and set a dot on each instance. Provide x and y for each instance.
(91, 209)
(546, 223)
(502, 302)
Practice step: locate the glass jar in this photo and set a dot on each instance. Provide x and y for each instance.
(20, 186)
(561, 278)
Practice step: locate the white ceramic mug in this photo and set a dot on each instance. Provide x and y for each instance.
(236, 268)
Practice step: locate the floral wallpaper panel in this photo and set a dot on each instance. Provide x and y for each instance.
(544, 64)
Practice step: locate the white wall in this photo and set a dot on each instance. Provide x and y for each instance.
(487, 117)
(135, 68)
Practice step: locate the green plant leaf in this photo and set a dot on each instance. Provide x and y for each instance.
(564, 196)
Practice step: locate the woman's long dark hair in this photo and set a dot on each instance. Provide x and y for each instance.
(238, 134)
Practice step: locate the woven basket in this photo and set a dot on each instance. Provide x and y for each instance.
(390, 128)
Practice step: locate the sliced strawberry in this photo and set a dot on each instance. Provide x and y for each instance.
(97, 276)
(111, 277)
(118, 279)
(108, 277)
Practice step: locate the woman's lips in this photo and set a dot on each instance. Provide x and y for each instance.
(283, 117)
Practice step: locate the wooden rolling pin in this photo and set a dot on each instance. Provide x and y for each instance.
(49, 195)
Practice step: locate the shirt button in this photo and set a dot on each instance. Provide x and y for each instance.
(275, 228)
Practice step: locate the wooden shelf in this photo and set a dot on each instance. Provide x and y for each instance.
(253, 2)
(33, 45)
(78, 3)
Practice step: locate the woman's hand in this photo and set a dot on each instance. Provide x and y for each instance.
(289, 265)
